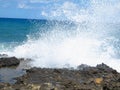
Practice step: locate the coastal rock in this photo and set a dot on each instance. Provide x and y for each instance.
(9, 61)
(101, 77)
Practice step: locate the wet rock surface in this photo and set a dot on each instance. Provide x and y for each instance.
(101, 77)
(9, 61)
(12, 67)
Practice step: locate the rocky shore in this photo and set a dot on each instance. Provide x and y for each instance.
(101, 77)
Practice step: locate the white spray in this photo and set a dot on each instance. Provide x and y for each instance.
(90, 42)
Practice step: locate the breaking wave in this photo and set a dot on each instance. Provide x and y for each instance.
(76, 34)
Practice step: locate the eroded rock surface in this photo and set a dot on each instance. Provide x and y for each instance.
(101, 77)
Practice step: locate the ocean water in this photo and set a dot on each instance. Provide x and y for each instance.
(81, 35)
(14, 31)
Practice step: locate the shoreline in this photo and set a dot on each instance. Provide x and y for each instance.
(101, 77)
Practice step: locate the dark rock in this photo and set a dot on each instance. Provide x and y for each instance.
(106, 88)
(101, 77)
(1, 86)
(118, 80)
(84, 78)
(103, 67)
(9, 61)
(114, 72)
(56, 71)
(83, 67)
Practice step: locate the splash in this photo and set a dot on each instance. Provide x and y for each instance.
(88, 36)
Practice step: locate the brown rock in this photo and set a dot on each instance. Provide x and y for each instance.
(47, 86)
(98, 80)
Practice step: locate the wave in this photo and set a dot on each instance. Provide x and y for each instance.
(90, 36)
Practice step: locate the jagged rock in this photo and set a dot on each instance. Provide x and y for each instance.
(83, 67)
(101, 77)
(87, 78)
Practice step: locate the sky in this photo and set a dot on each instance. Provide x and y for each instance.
(60, 9)
(35, 9)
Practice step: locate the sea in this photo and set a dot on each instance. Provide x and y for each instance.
(81, 35)
(14, 31)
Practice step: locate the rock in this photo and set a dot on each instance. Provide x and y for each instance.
(105, 87)
(83, 67)
(33, 87)
(9, 61)
(47, 86)
(56, 71)
(2, 85)
(101, 77)
(103, 67)
(5, 86)
(98, 80)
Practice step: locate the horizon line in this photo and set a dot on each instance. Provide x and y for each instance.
(23, 18)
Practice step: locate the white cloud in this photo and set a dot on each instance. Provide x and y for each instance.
(39, 1)
(36, 4)
(23, 5)
(30, 4)
(42, 1)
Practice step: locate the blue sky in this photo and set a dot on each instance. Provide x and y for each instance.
(42, 9)
(36, 9)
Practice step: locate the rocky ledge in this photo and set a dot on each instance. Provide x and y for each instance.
(9, 61)
(101, 77)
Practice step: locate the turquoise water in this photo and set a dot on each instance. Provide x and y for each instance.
(14, 32)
